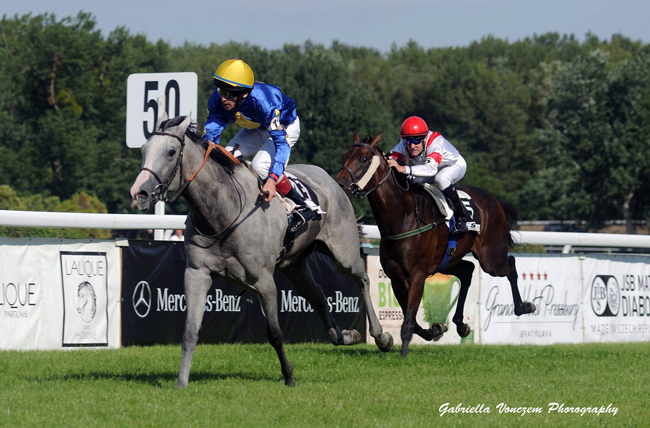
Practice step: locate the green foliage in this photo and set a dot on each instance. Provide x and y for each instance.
(595, 143)
(78, 203)
(556, 126)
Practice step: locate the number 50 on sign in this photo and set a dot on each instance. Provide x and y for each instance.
(179, 91)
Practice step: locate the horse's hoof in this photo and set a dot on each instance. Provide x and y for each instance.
(438, 331)
(404, 352)
(336, 336)
(351, 337)
(290, 382)
(525, 308)
(388, 340)
(463, 330)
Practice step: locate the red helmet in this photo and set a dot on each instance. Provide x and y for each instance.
(414, 127)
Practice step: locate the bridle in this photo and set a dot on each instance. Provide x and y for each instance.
(163, 185)
(161, 189)
(357, 185)
(356, 188)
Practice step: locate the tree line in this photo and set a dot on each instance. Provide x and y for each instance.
(557, 126)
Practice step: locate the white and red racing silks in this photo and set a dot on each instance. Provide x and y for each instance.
(438, 152)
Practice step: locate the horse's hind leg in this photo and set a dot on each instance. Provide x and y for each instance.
(197, 284)
(350, 263)
(301, 278)
(521, 308)
(383, 339)
(463, 270)
(268, 296)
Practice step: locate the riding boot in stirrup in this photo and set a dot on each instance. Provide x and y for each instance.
(301, 214)
(460, 225)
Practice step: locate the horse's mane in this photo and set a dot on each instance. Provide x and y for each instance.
(367, 139)
(195, 135)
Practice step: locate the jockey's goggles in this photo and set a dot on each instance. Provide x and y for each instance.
(228, 94)
(411, 141)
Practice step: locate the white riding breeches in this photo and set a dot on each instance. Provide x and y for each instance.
(447, 175)
(251, 141)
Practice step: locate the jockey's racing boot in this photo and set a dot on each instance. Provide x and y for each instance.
(301, 213)
(460, 225)
(299, 217)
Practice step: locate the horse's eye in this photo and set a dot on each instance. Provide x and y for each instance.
(365, 159)
(171, 153)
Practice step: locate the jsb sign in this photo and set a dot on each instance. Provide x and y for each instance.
(178, 90)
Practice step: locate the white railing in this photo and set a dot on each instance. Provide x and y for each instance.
(90, 221)
(157, 222)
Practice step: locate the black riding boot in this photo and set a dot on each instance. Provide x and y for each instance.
(459, 211)
(301, 214)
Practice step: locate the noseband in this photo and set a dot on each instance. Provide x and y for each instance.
(357, 185)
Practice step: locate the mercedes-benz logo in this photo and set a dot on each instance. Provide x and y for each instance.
(142, 299)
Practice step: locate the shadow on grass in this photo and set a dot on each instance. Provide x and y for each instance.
(159, 379)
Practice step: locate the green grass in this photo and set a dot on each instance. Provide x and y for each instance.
(241, 385)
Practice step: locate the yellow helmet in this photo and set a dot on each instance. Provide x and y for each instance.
(234, 74)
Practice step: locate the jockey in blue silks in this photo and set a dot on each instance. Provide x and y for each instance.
(270, 129)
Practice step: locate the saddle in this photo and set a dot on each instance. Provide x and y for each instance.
(310, 200)
(471, 212)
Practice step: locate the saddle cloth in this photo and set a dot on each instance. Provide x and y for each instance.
(473, 219)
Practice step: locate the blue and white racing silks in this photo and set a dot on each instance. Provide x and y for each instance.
(266, 107)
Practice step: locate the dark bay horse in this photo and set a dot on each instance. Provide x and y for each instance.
(414, 237)
(233, 234)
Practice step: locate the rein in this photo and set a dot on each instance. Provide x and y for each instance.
(356, 187)
(413, 232)
(161, 188)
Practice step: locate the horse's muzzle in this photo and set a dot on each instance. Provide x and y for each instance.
(140, 201)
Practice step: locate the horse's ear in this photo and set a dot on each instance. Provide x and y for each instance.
(163, 117)
(355, 138)
(376, 140)
(186, 122)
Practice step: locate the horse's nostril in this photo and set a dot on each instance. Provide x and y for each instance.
(143, 194)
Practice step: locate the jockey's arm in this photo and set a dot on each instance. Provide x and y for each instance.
(214, 126)
(282, 148)
(428, 169)
(282, 152)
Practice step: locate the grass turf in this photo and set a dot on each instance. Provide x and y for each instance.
(241, 385)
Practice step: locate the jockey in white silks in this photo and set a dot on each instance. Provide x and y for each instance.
(427, 157)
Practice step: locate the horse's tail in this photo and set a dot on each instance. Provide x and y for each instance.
(512, 217)
(360, 225)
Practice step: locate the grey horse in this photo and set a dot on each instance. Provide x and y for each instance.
(235, 235)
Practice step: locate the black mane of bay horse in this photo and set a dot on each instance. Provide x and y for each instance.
(399, 208)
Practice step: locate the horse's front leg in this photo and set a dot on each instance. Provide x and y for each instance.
(435, 332)
(463, 270)
(268, 293)
(197, 285)
(415, 286)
